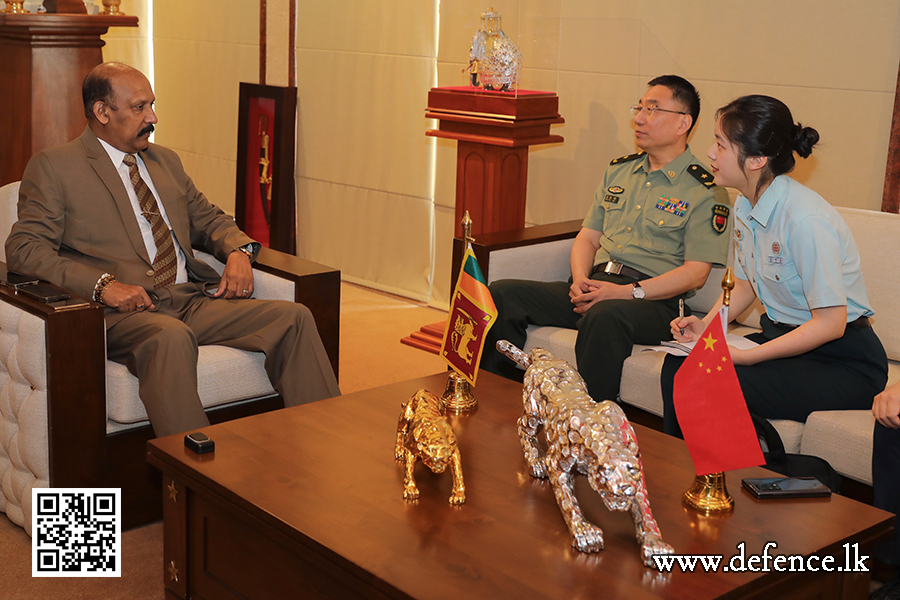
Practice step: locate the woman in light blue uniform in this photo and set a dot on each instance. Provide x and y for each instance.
(795, 253)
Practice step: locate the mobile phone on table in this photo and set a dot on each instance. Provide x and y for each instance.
(199, 443)
(786, 487)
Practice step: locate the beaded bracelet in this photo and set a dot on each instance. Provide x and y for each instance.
(104, 282)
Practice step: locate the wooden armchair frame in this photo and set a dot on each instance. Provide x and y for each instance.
(487, 243)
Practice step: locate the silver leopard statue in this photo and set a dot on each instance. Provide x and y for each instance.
(587, 437)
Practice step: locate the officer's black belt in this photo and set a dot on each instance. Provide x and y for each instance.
(617, 268)
(860, 323)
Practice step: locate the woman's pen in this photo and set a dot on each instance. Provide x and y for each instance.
(681, 313)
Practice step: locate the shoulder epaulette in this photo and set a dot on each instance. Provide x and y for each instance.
(702, 175)
(626, 158)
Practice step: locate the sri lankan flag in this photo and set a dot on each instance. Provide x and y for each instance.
(472, 313)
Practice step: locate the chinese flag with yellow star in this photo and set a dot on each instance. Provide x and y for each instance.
(711, 408)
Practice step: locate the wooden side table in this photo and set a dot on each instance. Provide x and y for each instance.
(494, 131)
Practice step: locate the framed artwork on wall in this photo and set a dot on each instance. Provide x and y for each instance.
(264, 202)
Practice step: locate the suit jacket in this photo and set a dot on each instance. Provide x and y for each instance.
(75, 221)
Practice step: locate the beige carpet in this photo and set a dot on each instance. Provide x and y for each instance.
(372, 324)
(142, 569)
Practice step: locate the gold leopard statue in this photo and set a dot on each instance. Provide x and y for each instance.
(423, 432)
(587, 437)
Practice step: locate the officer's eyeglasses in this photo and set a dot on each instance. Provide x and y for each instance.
(652, 110)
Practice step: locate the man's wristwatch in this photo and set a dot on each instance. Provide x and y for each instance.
(637, 292)
(248, 250)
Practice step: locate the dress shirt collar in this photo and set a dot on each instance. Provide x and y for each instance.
(116, 155)
(765, 206)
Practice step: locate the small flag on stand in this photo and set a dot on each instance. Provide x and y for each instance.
(711, 409)
(472, 314)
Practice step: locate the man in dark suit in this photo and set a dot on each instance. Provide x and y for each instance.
(112, 217)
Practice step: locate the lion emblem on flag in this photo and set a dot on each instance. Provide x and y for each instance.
(463, 333)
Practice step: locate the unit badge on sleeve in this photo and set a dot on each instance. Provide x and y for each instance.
(720, 218)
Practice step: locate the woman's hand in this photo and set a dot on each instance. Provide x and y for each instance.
(692, 326)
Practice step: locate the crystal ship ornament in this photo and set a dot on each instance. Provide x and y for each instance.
(494, 61)
(423, 433)
(594, 439)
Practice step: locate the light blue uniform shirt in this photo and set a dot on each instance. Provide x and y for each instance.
(798, 254)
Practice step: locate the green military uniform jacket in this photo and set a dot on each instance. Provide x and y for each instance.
(654, 221)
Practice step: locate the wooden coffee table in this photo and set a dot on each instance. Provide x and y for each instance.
(307, 502)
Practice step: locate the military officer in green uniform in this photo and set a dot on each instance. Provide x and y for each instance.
(657, 226)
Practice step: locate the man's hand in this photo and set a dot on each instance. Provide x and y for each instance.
(886, 407)
(582, 286)
(126, 298)
(237, 279)
(598, 290)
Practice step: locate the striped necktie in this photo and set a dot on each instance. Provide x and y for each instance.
(165, 264)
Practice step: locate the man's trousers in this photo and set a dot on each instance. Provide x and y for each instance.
(161, 348)
(607, 333)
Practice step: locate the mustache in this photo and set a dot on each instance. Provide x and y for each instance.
(148, 129)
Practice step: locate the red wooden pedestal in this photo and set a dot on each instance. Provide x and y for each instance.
(45, 60)
(494, 131)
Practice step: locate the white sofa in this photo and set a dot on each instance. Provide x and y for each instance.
(843, 438)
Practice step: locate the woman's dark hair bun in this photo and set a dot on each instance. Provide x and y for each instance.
(764, 126)
(806, 138)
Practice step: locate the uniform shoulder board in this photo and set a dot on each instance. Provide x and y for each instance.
(626, 158)
(702, 175)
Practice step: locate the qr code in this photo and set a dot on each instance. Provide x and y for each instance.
(76, 532)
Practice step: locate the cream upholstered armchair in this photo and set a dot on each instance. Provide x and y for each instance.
(71, 418)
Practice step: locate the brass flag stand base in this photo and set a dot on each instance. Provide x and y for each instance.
(458, 397)
(709, 495)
